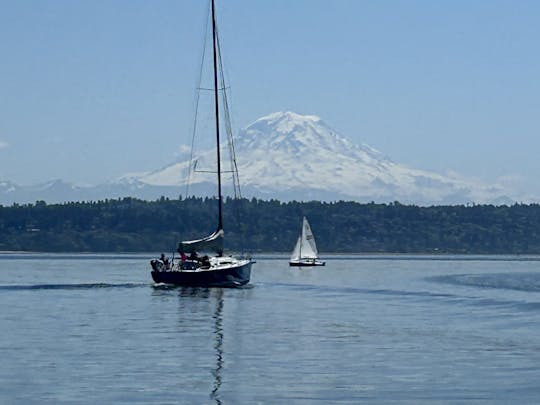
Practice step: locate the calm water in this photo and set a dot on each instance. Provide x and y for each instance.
(379, 330)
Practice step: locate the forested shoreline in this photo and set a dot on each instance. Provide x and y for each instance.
(132, 225)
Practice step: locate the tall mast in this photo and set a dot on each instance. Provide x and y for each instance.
(216, 97)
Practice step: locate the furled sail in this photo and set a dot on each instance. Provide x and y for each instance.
(212, 243)
(309, 248)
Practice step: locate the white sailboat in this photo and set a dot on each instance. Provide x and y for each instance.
(305, 251)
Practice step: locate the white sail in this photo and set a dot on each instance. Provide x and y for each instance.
(308, 248)
(295, 255)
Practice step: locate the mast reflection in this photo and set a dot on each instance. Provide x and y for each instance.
(218, 333)
(217, 330)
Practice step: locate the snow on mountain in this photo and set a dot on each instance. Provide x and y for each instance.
(12, 193)
(291, 156)
(7, 186)
(286, 156)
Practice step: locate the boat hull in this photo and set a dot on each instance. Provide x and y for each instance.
(230, 276)
(305, 263)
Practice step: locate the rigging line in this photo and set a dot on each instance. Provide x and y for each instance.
(234, 166)
(232, 151)
(211, 171)
(197, 99)
(238, 201)
(207, 89)
(226, 111)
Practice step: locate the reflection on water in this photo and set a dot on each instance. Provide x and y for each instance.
(218, 333)
(194, 292)
(189, 298)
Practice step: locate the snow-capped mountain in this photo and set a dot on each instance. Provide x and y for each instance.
(290, 156)
(286, 156)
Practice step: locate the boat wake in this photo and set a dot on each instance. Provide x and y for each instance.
(528, 282)
(83, 286)
(469, 300)
(340, 291)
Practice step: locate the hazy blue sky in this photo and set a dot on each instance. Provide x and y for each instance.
(91, 90)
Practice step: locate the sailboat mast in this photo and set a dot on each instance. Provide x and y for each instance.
(216, 97)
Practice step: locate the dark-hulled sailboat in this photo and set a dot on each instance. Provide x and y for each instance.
(213, 269)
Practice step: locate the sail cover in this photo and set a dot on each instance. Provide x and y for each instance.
(212, 243)
(309, 248)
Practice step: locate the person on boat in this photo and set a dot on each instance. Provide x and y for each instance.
(183, 256)
(193, 256)
(165, 261)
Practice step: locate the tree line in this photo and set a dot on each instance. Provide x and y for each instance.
(253, 225)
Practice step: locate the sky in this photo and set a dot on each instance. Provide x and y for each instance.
(92, 90)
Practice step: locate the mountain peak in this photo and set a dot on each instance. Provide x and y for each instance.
(297, 134)
(285, 121)
(289, 115)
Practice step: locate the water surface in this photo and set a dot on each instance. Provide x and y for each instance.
(86, 329)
